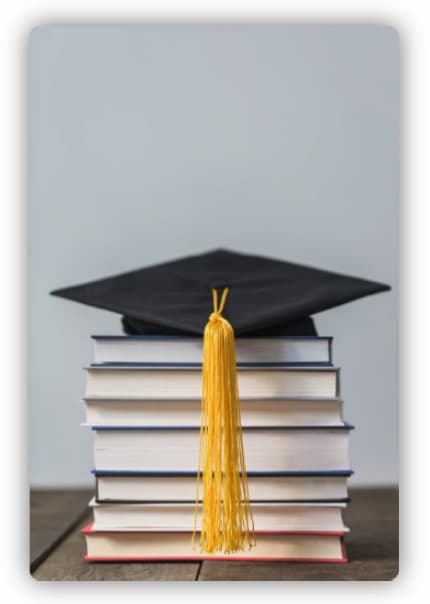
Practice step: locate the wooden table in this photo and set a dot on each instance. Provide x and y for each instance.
(57, 548)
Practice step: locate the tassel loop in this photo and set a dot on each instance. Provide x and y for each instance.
(226, 520)
(216, 314)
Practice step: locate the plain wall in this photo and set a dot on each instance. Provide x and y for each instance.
(147, 143)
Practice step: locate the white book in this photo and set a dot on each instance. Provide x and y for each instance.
(272, 412)
(138, 545)
(314, 517)
(177, 349)
(266, 449)
(130, 382)
(180, 487)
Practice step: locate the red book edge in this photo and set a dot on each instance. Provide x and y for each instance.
(88, 530)
(216, 558)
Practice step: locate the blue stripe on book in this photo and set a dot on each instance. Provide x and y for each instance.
(245, 428)
(170, 337)
(199, 365)
(323, 367)
(298, 473)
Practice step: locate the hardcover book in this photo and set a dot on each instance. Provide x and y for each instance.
(267, 449)
(152, 349)
(138, 486)
(111, 412)
(164, 382)
(123, 546)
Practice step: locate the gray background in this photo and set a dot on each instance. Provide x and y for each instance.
(151, 142)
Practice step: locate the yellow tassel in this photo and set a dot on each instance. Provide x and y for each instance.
(226, 519)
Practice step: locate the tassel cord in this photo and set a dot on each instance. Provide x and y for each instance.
(226, 519)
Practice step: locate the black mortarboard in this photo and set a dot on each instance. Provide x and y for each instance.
(266, 296)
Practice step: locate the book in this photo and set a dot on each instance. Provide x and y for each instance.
(254, 412)
(267, 449)
(105, 381)
(153, 349)
(170, 516)
(292, 486)
(143, 402)
(165, 545)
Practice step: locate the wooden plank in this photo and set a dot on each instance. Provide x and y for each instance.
(282, 571)
(53, 513)
(372, 547)
(66, 564)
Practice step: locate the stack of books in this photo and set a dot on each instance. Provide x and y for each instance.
(143, 402)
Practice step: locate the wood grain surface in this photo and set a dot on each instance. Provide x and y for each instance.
(53, 513)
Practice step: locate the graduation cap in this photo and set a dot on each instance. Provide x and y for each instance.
(218, 294)
(266, 296)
